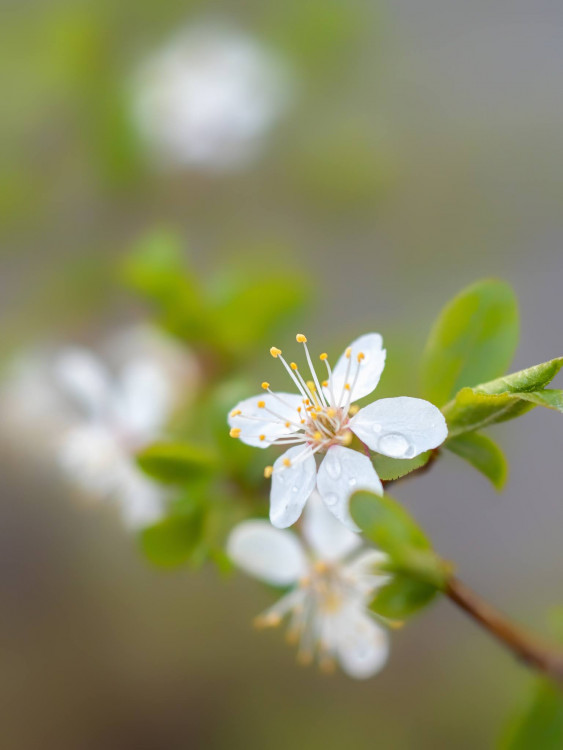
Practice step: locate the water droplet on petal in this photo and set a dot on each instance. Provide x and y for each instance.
(333, 467)
(376, 428)
(331, 499)
(295, 490)
(352, 481)
(395, 445)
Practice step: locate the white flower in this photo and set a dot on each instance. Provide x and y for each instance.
(95, 422)
(321, 419)
(329, 595)
(208, 98)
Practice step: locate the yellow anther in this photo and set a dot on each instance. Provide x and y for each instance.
(235, 432)
(331, 412)
(261, 404)
(286, 462)
(325, 384)
(262, 437)
(268, 471)
(323, 356)
(267, 621)
(301, 339)
(313, 415)
(348, 352)
(303, 421)
(317, 435)
(347, 387)
(299, 409)
(307, 402)
(275, 352)
(346, 439)
(235, 413)
(293, 366)
(265, 385)
(354, 409)
(288, 424)
(361, 356)
(321, 566)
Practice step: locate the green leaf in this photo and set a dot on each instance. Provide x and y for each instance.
(402, 596)
(394, 468)
(171, 542)
(503, 399)
(393, 530)
(172, 463)
(540, 725)
(473, 339)
(482, 453)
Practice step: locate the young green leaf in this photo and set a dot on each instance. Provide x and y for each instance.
(482, 453)
(402, 597)
(503, 399)
(540, 725)
(389, 469)
(171, 542)
(394, 531)
(172, 463)
(473, 339)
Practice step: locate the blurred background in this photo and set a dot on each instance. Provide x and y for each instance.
(389, 153)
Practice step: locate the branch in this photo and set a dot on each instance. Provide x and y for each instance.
(534, 653)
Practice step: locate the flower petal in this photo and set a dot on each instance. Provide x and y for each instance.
(291, 486)
(400, 427)
(272, 555)
(364, 569)
(143, 400)
(342, 472)
(84, 377)
(329, 539)
(367, 376)
(363, 647)
(254, 421)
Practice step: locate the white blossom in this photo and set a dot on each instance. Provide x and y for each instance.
(322, 418)
(209, 97)
(93, 420)
(330, 589)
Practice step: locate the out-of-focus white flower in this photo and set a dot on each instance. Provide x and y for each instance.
(330, 591)
(209, 97)
(321, 419)
(94, 419)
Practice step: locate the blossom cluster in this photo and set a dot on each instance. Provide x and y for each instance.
(330, 593)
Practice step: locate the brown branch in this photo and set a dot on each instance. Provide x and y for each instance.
(527, 648)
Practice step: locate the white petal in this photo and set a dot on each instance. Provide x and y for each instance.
(92, 458)
(328, 538)
(84, 378)
(342, 472)
(255, 421)
(291, 486)
(273, 555)
(400, 427)
(368, 371)
(141, 501)
(363, 568)
(363, 647)
(143, 401)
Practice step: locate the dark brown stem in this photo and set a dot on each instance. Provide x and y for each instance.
(526, 648)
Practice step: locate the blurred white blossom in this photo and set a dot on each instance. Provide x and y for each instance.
(330, 590)
(208, 98)
(93, 413)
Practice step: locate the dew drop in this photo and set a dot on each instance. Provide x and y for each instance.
(395, 445)
(333, 467)
(295, 490)
(331, 498)
(352, 481)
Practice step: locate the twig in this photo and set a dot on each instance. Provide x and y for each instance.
(525, 647)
